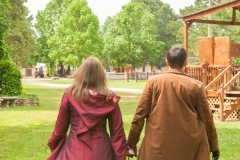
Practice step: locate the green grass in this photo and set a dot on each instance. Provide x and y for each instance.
(112, 83)
(60, 81)
(24, 131)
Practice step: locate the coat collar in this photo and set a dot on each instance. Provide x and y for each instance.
(177, 71)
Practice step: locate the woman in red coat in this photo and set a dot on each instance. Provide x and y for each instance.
(86, 107)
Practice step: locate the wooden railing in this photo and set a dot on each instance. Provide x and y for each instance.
(221, 89)
(221, 94)
(195, 72)
(218, 78)
(207, 73)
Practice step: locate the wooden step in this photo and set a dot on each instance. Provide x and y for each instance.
(232, 93)
(232, 98)
(211, 93)
(227, 112)
(215, 109)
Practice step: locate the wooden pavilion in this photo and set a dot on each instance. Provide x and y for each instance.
(218, 74)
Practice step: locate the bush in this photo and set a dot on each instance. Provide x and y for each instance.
(29, 96)
(10, 79)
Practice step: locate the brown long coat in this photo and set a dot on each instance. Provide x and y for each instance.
(179, 123)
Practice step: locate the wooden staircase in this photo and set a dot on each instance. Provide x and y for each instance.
(223, 96)
(231, 105)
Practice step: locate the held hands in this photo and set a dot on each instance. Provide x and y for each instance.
(215, 155)
(132, 151)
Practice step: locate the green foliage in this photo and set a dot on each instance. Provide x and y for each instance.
(131, 38)
(10, 79)
(29, 96)
(167, 26)
(20, 40)
(76, 35)
(68, 33)
(4, 24)
(235, 60)
(194, 63)
(46, 22)
(103, 32)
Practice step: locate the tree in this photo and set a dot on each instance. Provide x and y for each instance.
(68, 32)
(4, 24)
(46, 22)
(103, 32)
(166, 24)
(131, 39)
(76, 35)
(10, 76)
(21, 37)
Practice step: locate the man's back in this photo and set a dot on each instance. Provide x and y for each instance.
(172, 126)
(179, 122)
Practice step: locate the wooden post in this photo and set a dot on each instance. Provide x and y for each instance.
(205, 74)
(186, 26)
(221, 103)
(229, 76)
(136, 76)
(186, 36)
(214, 75)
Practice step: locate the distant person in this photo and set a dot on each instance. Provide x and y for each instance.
(86, 107)
(179, 122)
(40, 72)
(47, 72)
(36, 73)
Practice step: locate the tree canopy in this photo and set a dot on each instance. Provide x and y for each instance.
(20, 40)
(132, 37)
(166, 24)
(4, 24)
(68, 32)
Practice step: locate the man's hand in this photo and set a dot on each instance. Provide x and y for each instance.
(132, 151)
(215, 155)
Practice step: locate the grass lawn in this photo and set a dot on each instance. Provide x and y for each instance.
(24, 131)
(112, 83)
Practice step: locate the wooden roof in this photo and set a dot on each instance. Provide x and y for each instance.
(234, 4)
(191, 18)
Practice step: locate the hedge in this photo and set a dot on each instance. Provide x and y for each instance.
(10, 79)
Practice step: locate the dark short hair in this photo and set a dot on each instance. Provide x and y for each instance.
(176, 57)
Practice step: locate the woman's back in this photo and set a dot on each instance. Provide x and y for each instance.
(88, 138)
(87, 112)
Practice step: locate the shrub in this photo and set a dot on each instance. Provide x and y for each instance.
(29, 96)
(10, 79)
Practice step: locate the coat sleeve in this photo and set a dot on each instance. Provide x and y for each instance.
(118, 138)
(142, 112)
(207, 118)
(59, 133)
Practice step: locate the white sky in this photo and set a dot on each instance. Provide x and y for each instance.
(105, 8)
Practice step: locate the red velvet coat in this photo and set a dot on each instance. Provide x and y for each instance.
(88, 138)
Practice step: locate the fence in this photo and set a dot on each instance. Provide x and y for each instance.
(129, 75)
(208, 73)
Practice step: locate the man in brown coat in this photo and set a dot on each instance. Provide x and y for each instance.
(179, 122)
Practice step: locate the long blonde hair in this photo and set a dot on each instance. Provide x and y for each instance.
(89, 75)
